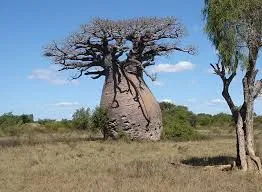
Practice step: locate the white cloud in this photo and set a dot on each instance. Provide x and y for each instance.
(168, 101)
(66, 104)
(173, 68)
(50, 75)
(216, 102)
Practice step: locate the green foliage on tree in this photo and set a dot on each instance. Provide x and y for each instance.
(178, 122)
(218, 120)
(223, 120)
(81, 119)
(204, 120)
(55, 125)
(100, 121)
(11, 124)
(231, 25)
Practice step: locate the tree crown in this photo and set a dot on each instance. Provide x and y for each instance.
(234, 28)
(105, 43)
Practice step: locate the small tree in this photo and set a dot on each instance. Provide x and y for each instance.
(81, 119)
(27, 118)
(235, 29)
(100, 121)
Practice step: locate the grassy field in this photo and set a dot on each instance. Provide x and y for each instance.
(82, 165)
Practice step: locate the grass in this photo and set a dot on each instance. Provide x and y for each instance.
(82, 165)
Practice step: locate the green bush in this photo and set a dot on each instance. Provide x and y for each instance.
(27, 118)
(55, 125)
(99, 121)
(178, 122)
(223, 120)
(204, 119)
(10, 125)
(82, 119)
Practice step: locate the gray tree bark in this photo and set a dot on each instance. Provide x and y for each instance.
(131, 107)
(253, 161)
(243, 117)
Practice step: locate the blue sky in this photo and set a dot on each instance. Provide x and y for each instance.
(30, 84)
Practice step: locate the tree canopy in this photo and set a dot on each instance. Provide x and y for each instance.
(103, 44)
(234, 27)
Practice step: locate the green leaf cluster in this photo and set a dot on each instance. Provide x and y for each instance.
(231, 26)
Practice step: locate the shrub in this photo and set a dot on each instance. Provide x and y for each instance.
(178, 122)
(204, 119)
(99, 121)
(81, 119)
(10, 124)
(27, 118)
(54, 125)
(223, 120)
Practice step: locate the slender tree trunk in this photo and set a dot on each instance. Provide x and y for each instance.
(253, 162)
(249, 160)
(243, 118)
(241, 147)
(131, 108)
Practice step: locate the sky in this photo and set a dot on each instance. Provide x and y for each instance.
(30, 84)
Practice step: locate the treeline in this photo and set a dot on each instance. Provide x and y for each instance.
(82, 119)
(179, 123)
(10, 123)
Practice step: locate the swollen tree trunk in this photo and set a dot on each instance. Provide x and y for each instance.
(131, 108)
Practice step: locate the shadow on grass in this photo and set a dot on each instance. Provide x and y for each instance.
(209, 161)
(12, 142)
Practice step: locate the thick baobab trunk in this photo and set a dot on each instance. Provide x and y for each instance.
(131, 108)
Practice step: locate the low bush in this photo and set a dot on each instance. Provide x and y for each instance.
(10, 125)
(178, 122)
(81, 119)
(56, 126)
(99, 121)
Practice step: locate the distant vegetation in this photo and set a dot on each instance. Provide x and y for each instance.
(11, 124)
(179, 123)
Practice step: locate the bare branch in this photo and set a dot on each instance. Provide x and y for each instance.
(219, 69)
(78, 76)
(96, 73)
(141, 39)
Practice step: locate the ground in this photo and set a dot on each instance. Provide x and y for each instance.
(86, 165)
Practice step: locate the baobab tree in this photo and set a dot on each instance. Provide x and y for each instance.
(235, 29)
(121, 51)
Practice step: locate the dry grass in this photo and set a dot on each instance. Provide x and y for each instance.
(122, 166)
